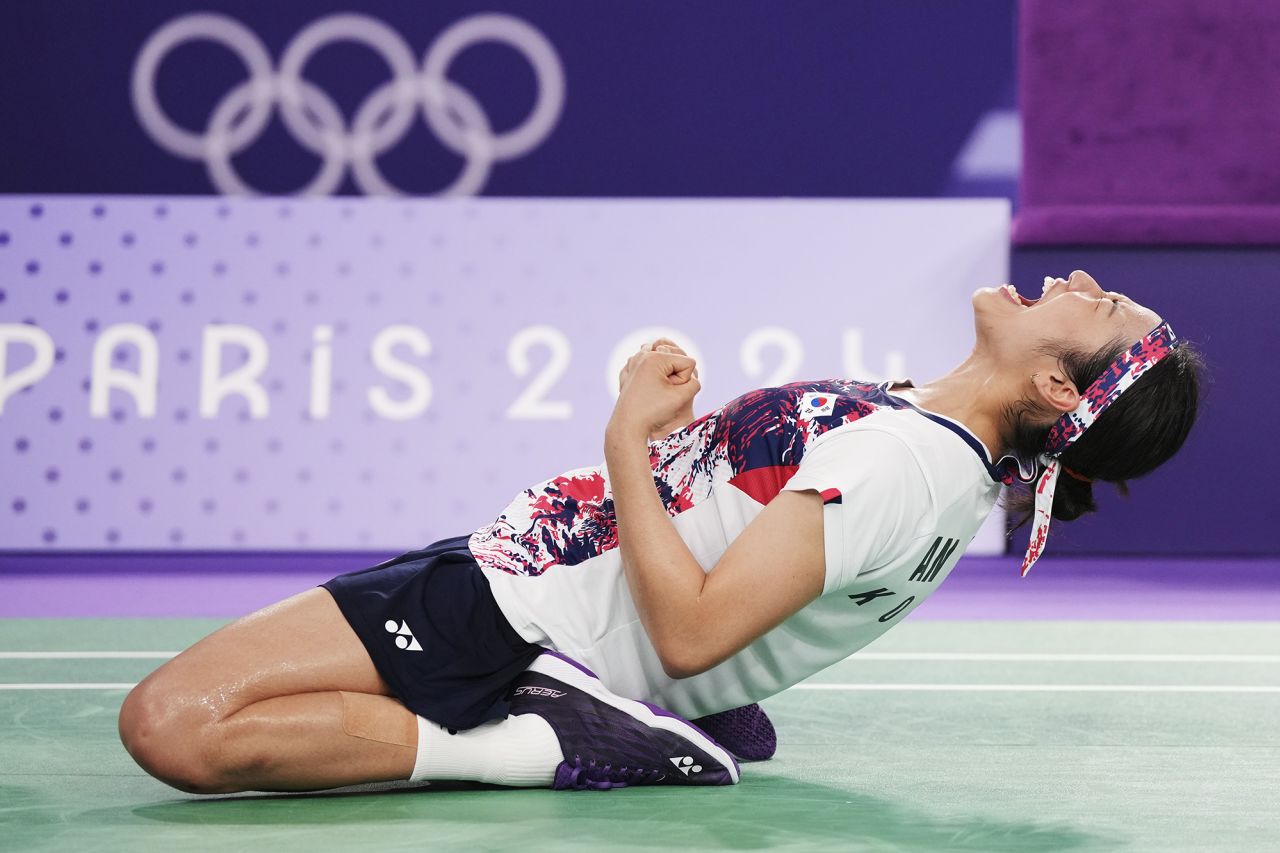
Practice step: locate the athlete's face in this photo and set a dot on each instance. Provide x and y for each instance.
(1075, 309)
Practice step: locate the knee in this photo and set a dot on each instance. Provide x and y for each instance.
(167, 738)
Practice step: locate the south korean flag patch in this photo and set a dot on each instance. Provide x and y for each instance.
(817, 404)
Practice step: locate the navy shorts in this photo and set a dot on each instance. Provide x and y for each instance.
(435, 633)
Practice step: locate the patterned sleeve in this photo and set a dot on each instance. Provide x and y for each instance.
(874, 496)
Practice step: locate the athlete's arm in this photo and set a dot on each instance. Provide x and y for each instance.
(774, 567)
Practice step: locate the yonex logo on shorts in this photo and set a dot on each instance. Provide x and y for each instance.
(404, 637)
(531, 690)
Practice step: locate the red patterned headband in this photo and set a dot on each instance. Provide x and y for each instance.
(1113, 382)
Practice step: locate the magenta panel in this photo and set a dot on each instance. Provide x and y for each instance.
(1149, 122)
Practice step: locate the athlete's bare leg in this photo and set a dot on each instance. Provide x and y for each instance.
(285, 699)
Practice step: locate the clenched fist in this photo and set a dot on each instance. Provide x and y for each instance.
(656, 388)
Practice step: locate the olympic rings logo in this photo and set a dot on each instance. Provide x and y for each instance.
(381, 121)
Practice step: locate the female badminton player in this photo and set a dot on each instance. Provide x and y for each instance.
(709, 563)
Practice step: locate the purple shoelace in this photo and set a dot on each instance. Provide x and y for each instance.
(590, 775)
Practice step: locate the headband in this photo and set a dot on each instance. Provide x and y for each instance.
(1113, 382)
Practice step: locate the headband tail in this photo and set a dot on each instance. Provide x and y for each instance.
(1043, 513)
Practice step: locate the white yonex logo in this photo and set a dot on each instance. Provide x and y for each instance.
(530, 690)
(404, 637)
(685, 763)
(381, 121)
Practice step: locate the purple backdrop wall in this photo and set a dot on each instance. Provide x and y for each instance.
(860, 98)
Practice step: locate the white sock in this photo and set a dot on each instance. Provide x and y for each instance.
(521, 751)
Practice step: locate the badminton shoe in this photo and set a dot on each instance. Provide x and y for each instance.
(747, 732)
(611, 742)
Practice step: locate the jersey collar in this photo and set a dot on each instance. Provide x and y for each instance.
(998, 471)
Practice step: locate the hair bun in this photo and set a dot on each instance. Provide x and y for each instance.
(1072, 498)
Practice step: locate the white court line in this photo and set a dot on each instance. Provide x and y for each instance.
(1052, 688)
(1046, 657)
(86, 656)
(66, 686)
(1064, 656)
(938, 688)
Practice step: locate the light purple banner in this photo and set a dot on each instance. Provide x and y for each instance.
(330, 374)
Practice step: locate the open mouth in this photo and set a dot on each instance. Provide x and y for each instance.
(1012, 292)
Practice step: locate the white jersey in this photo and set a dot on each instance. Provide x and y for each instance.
(904, 490)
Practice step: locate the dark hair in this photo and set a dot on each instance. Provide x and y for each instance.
(1141, 430)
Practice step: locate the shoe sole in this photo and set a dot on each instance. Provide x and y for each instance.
(571, 672)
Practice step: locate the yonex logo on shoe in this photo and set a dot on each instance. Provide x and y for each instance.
(531, 690)
(404, 637)
(685, 763)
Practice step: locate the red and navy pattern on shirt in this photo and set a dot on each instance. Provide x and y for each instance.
(754, 443)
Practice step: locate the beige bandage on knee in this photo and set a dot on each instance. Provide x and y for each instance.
(378, 718)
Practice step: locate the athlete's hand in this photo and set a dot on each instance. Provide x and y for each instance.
(682, 418)
(656, 388)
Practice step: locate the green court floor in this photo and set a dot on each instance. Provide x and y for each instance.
(993, 736)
